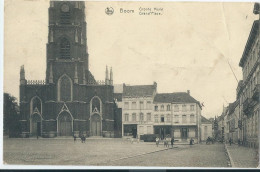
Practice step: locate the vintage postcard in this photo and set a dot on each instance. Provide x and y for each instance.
(131, 84)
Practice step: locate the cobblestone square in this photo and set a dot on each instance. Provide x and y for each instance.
(110, 152)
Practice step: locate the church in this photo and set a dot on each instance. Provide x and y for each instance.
(69, 101)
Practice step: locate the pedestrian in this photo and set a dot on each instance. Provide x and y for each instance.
(165, 142)
(191, 141)
(37, 137)
(75, 138)
(157, 141)
(230, 141)
(172, 141)
(82, 138)
(238, 142)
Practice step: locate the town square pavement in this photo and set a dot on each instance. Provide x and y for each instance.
(110, 152)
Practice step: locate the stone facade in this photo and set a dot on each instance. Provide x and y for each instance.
(177, 115)
(205, 128)
(144, 111)
(249, 90)
(137, 110)
(70, 101)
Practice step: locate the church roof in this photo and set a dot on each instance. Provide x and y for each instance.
(90, 77)
(138, 90)
(178, 97)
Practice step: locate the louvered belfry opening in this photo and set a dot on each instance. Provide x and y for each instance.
(65, 49)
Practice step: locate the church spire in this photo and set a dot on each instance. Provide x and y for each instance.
(106, 80)
(111, 76)
(22, 76)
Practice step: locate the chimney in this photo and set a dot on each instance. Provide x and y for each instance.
(188, 91)
(155, 86)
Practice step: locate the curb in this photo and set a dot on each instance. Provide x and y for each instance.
(137, 155)
(231, 162)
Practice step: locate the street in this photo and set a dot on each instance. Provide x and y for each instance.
(110, 152)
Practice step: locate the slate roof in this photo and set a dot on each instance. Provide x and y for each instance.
(118, 96)
(232, 107)
(252, 37)
(179, 97)
(138, 90)
(205, 120)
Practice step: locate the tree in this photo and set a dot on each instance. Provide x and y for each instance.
(11, 116)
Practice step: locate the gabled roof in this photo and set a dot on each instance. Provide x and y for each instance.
(249, 43)
(178, 97)
(139, 90)
(205, 120)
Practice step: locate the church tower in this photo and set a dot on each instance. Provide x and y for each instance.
(67, 44)
(70, 101)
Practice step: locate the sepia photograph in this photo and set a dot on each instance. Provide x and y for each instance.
(125, 84)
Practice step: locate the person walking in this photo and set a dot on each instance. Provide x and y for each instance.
(165, 142)
(75, 138)
(191, 141)
(172, 141)
(230, 141)
(157, 141)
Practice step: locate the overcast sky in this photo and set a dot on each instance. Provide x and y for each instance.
(186, 48)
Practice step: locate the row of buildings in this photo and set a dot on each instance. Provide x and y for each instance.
(240, 119)
(70, 101)
(178, 115)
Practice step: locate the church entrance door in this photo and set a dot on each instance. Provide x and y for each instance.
(96, 125)
(36, 125)
(65, 124)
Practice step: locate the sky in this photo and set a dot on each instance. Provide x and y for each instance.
(188, 47)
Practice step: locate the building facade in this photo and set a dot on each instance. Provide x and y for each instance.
(232, 122)
(250, 88)
(137, 111)
(177, 115)
(206, 128)
(69, 101)
(144, 111)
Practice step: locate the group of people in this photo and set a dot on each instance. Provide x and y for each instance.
(165, 141)
(82, 137)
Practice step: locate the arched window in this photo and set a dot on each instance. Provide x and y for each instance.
(168, 107)
(64, 49)
(162, 107)
(95, 104)
(65, 89)
(36, 104)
